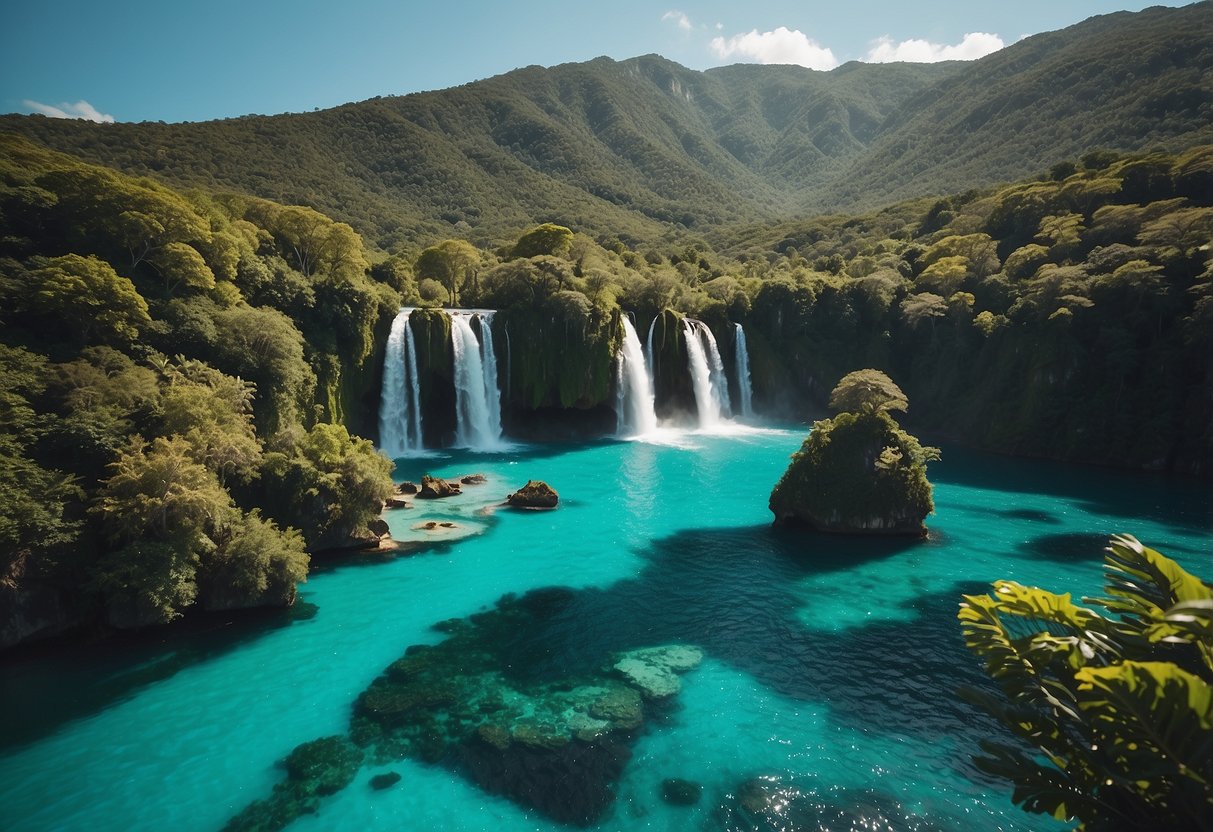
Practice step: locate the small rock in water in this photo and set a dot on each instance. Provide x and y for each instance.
(407, 488)
(384, 781)
(474, 479)
(535, 494)
(433, 488)
(679, 792)
(397, 502)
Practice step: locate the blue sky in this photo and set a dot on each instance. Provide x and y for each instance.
(178, 60)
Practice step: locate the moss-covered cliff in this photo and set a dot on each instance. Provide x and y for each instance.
(559, 354)
(436, 371)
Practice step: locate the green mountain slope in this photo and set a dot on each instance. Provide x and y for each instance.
(1120, 81)
(643, 147)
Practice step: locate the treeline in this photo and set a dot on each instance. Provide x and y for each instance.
(171, 373)
(1068, 316)
(180, 368)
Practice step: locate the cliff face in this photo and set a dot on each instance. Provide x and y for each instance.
(856, 474)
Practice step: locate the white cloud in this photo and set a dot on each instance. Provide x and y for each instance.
(972, 46)
(683, 22)
(781, 46)
(81, 109)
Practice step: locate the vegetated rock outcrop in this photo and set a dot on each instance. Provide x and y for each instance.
(535, 494)
(858, 473)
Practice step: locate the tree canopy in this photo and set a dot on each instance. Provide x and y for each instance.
(868, 391)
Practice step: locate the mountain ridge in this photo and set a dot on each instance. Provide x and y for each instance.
(644, 147)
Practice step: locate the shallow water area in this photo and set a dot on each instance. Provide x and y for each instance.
(830, 664)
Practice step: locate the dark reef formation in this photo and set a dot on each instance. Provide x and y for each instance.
(486, 707)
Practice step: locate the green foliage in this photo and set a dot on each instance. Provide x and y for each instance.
(1117, 712)
(451, 262)
(857, 473)
(96, 414)
(868, 391)
(631, 149)
(85, 291)
(254, 561)
(546, 239)
(329, 483)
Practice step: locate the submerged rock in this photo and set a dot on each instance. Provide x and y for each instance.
(484, 703)
(619, 706)
(678, 792)
(384, 781)
(314, 769)
(474, 479)
(433, 488)
(654, 670)
(535, 494)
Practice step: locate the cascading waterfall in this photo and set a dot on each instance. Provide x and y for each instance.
(648, 350)
(707, 380)
(477, 397)
(720, 382)
(634, 409)
(400, 398)
(741, 355)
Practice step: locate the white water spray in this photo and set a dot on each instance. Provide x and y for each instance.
(477, 397)
(711, 398)
(741, 355)
(634, 409)
(400, 398)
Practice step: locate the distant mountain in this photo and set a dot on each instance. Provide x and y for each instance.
(1120, 81)
(640, 147)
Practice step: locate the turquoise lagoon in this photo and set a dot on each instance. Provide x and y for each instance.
(830, 663)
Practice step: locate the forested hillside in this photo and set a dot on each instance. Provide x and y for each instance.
(643, 148)
(171, 369)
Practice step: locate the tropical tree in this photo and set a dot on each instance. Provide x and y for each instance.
(450, 263)
(1114, 713)
(548, 239)
(89, 294)
(868, 391)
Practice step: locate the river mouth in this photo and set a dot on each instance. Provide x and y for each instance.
(826, 689)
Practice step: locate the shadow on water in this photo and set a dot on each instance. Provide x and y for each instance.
(732, 592)
(1074, 547)
(1181, 505)
(45, 686)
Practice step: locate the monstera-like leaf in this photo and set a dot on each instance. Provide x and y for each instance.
(1114, 716)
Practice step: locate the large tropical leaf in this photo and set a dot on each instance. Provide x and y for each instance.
(1143, 584)
(1153, 724)
(1032, 641)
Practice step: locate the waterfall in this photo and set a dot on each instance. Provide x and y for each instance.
(492, 392)
(477, 398)
(634, 414)
(741, 355)
(707, 379)
(648, 350)
(720, 382)
(400, 397)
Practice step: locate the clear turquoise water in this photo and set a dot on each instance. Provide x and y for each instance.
(830, 662)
